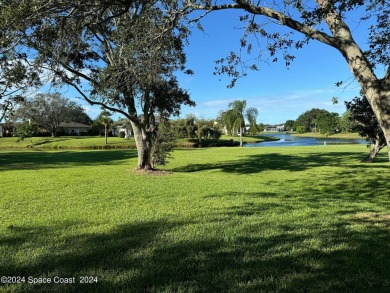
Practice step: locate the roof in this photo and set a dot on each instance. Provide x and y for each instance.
(73, 125)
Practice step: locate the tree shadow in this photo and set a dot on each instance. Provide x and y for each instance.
(56, 139)
(34, 160)
(258, 163)
(141, 257)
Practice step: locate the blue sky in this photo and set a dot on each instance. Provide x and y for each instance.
(278, 93)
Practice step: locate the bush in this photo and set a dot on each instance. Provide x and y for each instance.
(122, 134)
(301, 129)
(163, 144)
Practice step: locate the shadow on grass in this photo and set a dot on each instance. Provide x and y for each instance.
(56, 139)
(142, 257)
(34, 160)
(275, 161)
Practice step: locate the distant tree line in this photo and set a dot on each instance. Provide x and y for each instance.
(321, 121)
(359, 118)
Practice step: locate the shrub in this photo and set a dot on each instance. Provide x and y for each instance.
(301, 129)
(163, 143)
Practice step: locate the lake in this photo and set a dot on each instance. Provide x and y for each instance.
(290, 140)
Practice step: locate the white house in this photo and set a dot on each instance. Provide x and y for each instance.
(73, 128)
(116, 130)
(274, 128)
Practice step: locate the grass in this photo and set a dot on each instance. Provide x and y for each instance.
(302, 219)
(337, 135)
(93, 142)
(67, 142)
(223, 141)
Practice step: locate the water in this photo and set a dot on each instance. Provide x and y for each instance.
(290, 140)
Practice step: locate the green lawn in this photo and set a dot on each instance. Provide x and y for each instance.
(95, 142)
(67, 142)
(300, 219)
(337, 135)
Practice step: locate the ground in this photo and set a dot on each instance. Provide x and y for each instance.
(301, 219)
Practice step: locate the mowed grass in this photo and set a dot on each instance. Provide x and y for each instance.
(96, 142)
(337, 135)
(67, 142)
(300, 219)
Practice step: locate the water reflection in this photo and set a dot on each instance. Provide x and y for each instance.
(290, 140)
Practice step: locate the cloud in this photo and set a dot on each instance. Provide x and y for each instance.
(277, 107)
(217, 103)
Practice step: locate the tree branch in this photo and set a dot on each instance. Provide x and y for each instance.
(78, 73)
(280, 17)
(91, 102)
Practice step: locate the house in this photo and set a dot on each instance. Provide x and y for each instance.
(6, 129)
(274, 128)
(126, 128)
(73, 128)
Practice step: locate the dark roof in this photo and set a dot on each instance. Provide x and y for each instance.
(73, 125)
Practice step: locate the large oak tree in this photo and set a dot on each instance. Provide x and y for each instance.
(121, 55)
(48, 111)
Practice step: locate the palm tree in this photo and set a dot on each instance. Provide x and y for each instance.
(105, 119)
(234, 117)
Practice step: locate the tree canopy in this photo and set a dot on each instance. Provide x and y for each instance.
(234, 118)
(49, 110)
(308, 120)
(360, 112)
(129, 51)
(120, 55)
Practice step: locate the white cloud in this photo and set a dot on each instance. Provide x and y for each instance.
(278, 107)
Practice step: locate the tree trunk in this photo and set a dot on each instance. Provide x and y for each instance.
(379, 99)
(143, 142)
(373, 152)
(241, 136)
(105, 133)
(377, 91)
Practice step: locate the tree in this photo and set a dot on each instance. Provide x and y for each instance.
(366, 125)
(289, 125)
(328, 123)
(190, 125)
(163, 143)
(105, 120)
(308, 119)
(261, 127)
(310, 19)
(77, 114)
(128, 53)
(346, 122)
(24, 130)
(47, 111)
(234, 119)
(16, 81)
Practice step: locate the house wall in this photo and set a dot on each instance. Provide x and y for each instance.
(72, 131)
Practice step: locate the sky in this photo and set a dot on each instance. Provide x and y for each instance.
(279, 93)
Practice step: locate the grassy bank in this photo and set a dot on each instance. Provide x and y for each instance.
(223, 141)
(93, 142)
(67, 142)
(337, 135)
(302, 219)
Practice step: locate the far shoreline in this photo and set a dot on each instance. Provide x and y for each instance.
(317, 135)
